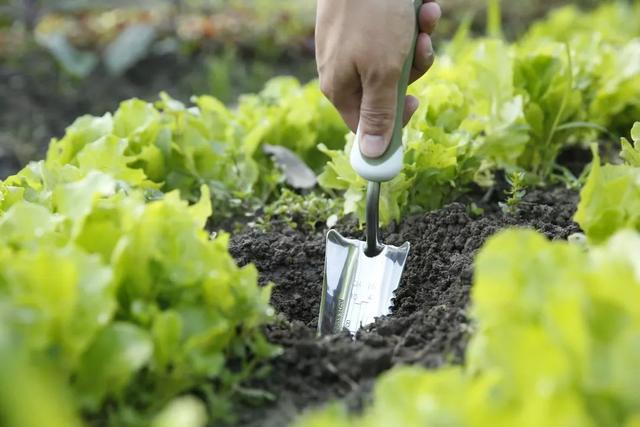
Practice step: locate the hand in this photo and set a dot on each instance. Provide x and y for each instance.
(361, 47)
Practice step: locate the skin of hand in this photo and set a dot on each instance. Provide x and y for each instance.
(361, 47)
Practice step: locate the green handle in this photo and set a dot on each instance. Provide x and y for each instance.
(403, 84)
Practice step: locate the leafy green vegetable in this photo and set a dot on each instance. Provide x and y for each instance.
(170, 146)
(304, 211)
(115, 355)
(32, 394)
(182, 412)
(293, 116)
(604, 49)
(610, 21)
(127, 300)
(556, 344)
(616, 102)
(552, 105)
(610, 199)
(631, 154)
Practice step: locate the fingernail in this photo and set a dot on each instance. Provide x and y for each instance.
(372, 146)
(435, 11)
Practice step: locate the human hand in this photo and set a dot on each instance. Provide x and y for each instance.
(361, 47)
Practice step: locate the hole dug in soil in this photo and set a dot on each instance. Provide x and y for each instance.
(428, 325)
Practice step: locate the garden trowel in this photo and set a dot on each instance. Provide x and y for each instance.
(361, 277)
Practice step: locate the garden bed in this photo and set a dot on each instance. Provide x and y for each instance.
(428, 325)
(113, 231)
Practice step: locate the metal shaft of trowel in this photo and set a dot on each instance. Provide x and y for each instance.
(374, 247)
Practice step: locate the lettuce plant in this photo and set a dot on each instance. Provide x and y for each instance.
(127, 301)
(556, 344)
(610, 199)
(170, 146)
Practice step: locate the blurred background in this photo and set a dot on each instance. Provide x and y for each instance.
(60, 59)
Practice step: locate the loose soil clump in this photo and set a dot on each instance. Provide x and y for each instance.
(428, 326)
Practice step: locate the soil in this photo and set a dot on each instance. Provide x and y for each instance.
(428, 326)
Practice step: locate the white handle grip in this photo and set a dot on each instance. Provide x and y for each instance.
(376, 170)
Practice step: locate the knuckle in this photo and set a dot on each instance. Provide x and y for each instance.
(326, 87)
(383, 75)
(377, 119)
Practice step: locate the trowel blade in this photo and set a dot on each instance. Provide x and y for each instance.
(357, 288)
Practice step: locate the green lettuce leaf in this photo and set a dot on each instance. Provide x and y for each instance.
(631, 154)
(117, 353)
(556, 343)
(610, 200)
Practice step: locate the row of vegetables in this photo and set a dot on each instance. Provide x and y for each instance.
(117, 305)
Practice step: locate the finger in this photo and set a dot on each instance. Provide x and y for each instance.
(344, 91)
(349, 109)
(377, 113)
(424, 57)
(429, 16)
(411, 105)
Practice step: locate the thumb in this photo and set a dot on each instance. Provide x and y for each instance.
(377, 116)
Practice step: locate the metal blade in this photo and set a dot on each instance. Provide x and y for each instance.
(357, 288)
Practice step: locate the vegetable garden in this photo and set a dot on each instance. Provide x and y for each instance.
(162, 265)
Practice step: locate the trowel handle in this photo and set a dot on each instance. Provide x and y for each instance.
(385, 168)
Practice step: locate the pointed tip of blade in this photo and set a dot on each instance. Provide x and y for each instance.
(335, 237)
(333, 233)
(404, 248)
(398, 254)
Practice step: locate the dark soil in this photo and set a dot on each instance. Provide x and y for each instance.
(428, 326)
